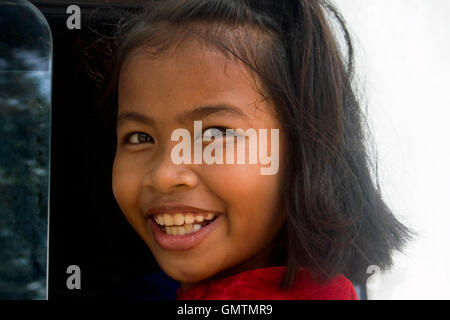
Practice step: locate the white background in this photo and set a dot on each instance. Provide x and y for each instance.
(403, 57)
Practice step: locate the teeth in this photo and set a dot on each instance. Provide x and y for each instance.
(188, 219)
(159, 219)
(178, 219)
(168, 220)
(180, 224)
(182, 230)
(187, 228)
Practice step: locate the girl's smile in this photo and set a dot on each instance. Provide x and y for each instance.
(182, 237)
(197, 219)
(180, 227)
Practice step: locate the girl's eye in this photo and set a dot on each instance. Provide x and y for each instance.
(215, 131)
(139, 137)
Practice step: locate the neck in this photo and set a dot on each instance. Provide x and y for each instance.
(263, 259)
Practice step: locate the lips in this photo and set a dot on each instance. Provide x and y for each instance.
(180, 227)
(174, 208)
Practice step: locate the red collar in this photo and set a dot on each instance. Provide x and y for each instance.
(264, 284)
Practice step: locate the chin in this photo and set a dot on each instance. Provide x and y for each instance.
(187, 272)
(188, 276)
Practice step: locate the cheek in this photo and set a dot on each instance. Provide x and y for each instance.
(252, 199)
(125, 184)
(241, 182)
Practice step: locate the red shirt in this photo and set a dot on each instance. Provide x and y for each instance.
(264, 284)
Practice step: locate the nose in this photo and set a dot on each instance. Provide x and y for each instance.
(165, 176)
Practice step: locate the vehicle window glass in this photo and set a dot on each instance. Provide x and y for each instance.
(25, 114)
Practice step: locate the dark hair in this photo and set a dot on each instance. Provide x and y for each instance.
(336, 219)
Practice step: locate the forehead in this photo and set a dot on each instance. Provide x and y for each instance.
(187, 76)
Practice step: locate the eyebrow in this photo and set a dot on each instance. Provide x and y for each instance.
(197, 113)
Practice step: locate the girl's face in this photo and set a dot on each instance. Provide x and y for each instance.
(159, 95)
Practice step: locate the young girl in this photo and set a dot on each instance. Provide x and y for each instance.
(223, 229)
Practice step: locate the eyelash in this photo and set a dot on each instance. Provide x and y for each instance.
(221, 128)
(128, 137)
